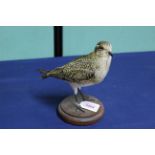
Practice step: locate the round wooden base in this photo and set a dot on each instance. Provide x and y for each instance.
(71, 114)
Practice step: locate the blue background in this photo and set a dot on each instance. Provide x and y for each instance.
(127, 93)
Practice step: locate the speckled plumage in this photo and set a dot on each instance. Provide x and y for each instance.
(79, 70)
(85, 70)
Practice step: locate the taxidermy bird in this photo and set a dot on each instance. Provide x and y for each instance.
(84, 71)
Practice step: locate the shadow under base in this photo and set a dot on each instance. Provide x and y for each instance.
(71, 114)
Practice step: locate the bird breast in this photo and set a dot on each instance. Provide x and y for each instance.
(104, 65)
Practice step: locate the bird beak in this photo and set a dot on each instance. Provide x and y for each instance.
(110, 54)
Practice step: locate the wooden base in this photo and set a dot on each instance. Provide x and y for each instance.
(71, 114)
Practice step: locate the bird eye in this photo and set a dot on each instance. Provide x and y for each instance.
(100, 48)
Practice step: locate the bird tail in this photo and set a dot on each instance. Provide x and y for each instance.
(44, 73)
(57, 73)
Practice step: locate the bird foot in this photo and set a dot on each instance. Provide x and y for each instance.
(79, 107)
(77, 104)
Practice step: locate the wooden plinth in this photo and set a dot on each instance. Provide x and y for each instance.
(71, 114)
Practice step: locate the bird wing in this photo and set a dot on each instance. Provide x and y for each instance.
(80, 69)
(78, 75)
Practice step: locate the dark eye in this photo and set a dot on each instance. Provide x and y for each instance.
(100, 48)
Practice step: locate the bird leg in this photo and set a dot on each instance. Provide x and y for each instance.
(77, 104)
(81, 94)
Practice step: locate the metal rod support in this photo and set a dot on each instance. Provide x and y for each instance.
(58, 41)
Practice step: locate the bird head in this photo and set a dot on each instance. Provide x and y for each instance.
(103, 48)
